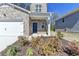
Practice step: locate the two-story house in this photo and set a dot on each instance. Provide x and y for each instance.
(34, 16)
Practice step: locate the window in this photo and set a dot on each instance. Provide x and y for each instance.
(38, 8)
(63, 20)
(4, 14)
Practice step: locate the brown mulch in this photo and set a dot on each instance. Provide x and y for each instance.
(66, 48)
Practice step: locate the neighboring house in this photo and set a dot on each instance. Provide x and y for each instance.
(68, 23)
(35, 17)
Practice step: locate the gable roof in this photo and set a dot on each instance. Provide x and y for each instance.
(70, 13)
(15, 6)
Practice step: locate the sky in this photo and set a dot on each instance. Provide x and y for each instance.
(62, 8)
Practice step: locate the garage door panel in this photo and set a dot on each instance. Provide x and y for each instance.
(11, 28)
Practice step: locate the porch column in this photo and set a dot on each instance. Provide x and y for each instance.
(49, 26)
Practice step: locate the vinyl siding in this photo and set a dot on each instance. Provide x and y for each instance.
(71, 23)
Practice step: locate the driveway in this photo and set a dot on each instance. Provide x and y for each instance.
(6, 41)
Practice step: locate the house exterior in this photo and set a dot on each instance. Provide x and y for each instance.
(68, 23)
(35, 17)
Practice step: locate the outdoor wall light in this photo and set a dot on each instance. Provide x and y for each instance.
(4, 14)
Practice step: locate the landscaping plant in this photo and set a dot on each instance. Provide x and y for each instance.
(59, 35)
(11, 51)
(52, 27)
(50, 47)
(23, 41)
(29, 52)
(43, 46)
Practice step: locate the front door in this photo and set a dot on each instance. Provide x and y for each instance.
(34, 27)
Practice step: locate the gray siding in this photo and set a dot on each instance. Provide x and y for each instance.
(71, 23)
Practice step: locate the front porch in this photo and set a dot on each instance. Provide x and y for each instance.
(39, 24)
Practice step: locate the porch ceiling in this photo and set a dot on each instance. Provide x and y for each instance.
(39, 15)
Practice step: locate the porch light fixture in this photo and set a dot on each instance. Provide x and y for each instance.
(4, 14)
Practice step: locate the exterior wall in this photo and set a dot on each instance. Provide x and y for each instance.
(43, 8)
(39, 26)
(70, 24)
(26, 26)
(10, 14)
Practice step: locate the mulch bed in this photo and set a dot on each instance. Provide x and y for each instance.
(65, 48)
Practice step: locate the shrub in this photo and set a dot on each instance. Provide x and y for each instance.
(47, 49)
(45, 45)
(50, 47)
(29, 52)
(59, 35)
(52, 28)
(35, 42)
(23, 41)
(11, 51)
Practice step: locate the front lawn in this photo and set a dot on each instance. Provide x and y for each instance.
(71, 36)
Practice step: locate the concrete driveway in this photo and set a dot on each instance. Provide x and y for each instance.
(6, 41)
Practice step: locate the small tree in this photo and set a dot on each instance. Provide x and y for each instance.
(54, 17)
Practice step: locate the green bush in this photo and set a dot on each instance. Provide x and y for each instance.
(52, 28)
(29, 52)
(11, 51)
(59, 35)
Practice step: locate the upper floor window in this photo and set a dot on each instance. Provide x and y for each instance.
(38, 8)
(63, 20)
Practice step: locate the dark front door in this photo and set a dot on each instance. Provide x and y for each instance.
(34, 27)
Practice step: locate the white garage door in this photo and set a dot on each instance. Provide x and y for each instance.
(11, 28)
(9, 32)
